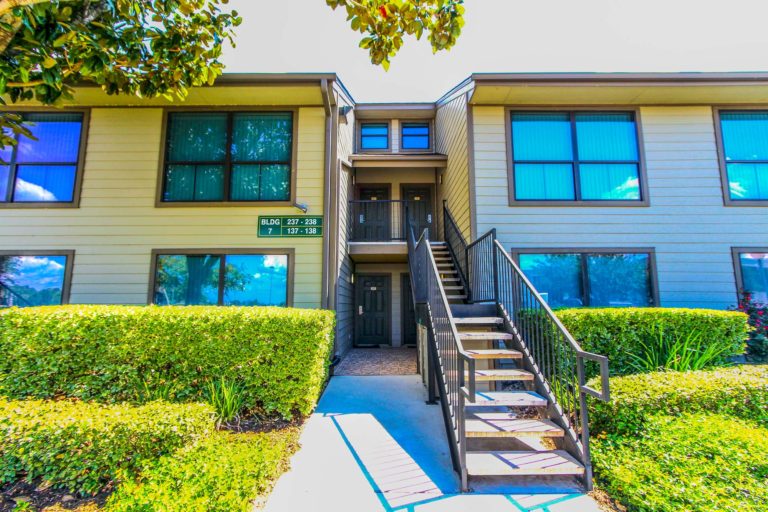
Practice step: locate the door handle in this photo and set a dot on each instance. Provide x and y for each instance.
(359, 310)
(429, 219)
(362, 219)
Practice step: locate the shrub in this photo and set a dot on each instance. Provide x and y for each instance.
(237, 468)
(82, 446)
(621, 333)
(739, 391)
(226, 398)
(117, 353)
(757, 345)
(702, 463)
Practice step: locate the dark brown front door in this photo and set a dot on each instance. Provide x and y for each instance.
(408, 311)
(372, 310)
(372, 216)
(420, 207)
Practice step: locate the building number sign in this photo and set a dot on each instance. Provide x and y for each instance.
(288, 226)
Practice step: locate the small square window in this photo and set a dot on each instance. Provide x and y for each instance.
(374, 136)
(415, 136)
(753, 273)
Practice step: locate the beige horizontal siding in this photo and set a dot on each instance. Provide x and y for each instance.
(687, 222)
(117, 225)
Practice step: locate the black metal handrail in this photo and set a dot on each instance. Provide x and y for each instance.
(376, 221)
(450, 365)
(456, 243)
(481, 262)
(550, 351)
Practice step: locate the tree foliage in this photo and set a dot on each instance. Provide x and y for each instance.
(146, 48)
(386, 22)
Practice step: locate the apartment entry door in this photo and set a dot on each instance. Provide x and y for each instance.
(420, 206)
(373, 310)
(371, 221)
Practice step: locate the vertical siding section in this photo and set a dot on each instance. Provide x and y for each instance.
(117, 225)
(345, 269)
(687, 223)
(451, 139)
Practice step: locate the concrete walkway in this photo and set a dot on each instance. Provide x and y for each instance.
(373, 445)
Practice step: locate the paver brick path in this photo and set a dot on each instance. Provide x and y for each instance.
(378, 361)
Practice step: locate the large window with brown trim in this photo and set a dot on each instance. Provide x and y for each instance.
(567, 157)
(36, 278)
(752, 272)
(228, 157)
(599, 278)
(744, 140)
(231, 278)
(43, 169)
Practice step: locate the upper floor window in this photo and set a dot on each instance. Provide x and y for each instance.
(745, 151)
(34, 279)
(595, 278)
(43, 170)
(415, 136)
(374, 136)
(752, 273)
(228, 157)
(575, 156)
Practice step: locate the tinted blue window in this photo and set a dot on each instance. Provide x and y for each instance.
(754, 275)
(248, 279)
(32, 280)
(604, 161)
(544, 136)
(745, 145)
(612, 279)
(415, 135)
(374, 136)
(43, 170)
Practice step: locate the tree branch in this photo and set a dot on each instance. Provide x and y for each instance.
(6, 36)
(6, 6)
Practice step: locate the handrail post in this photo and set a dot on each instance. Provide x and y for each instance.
(494, 249)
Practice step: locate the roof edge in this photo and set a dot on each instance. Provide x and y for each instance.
(669, 77)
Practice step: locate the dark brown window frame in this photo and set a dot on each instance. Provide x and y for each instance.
(66, 287)
(161, 178)
(722, 163)
(239, 251)
(359, 135)
(642, 173)
(735, 253)
(650, 251)
(430, 135)
(79, 167)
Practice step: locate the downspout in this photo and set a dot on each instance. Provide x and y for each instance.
(326, 194)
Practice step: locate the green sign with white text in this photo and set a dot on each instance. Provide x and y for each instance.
(290, 226)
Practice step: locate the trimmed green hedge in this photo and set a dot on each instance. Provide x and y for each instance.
(739, 391)
(619, 332)
(83, 446)
(116, 353)
(224, 473)
(701, 463)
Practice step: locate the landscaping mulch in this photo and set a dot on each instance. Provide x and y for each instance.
(39, 496)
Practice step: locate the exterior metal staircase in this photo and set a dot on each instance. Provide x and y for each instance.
(510, 379)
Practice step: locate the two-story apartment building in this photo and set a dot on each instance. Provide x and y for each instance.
(607, 189)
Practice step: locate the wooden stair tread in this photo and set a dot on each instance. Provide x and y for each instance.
(523, 463)
(479, 320)
(502, 374)
(453, 287)
(448, 271)
(508, 399)
(495, 353)
(496, 425)
(489, 335)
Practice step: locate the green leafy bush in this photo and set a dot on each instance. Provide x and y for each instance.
(82, 446)
(222, 474)
(701, 462)
(622, 334)
(118, 353)
(226, 398)
(739, 391)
